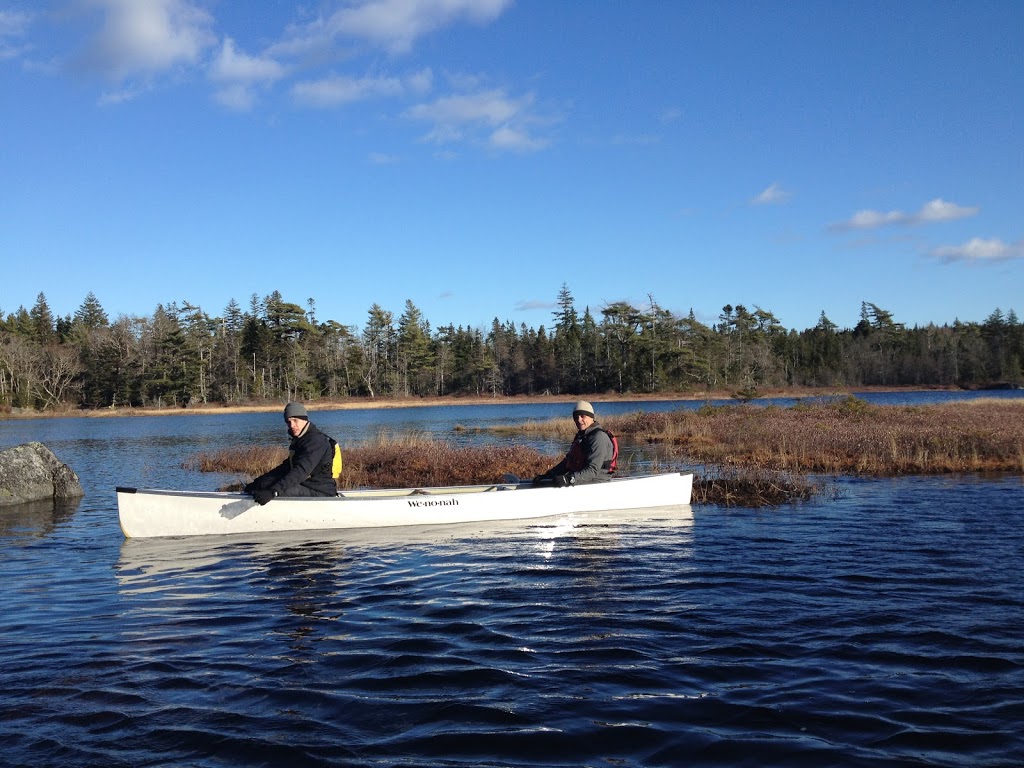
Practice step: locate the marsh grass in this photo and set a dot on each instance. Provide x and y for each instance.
(408, 460)
(757, 456)
(250, 460)
(847, 436)
(752, 456)
(411, 460)
(746, 487)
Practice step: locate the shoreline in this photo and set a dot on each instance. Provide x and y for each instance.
(419, 402)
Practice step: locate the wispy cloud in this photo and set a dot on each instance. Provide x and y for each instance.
(391, 25)
(636, 140)
(933, 211)
(13, 23)
(337, 90)
(671, 115)
(397, 24)
(515, 139)
(136, 44)
(239, 74)
(146, 37)
(773, 195)
(13, 27)
(980, 251)
(121, 95)
(526, 305)
(500, 120)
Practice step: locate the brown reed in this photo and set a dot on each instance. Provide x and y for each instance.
(843, 436)
(755, 455)
(251, 460)
(411, 460)
(747, 487)
(406, 460)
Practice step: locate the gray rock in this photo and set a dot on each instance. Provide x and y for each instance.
(31, 472)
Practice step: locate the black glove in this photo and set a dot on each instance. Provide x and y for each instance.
(563, 481)
(262, 496)
(249, 488)
(542, 479)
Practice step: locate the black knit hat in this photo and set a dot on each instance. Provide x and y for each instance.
(295, 411)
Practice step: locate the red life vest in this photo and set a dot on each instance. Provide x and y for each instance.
(577, 458)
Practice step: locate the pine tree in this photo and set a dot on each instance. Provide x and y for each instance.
(43, 328)
(90, 314)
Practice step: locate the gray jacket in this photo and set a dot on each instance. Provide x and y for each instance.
(589, 458)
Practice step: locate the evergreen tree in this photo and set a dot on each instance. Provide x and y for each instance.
(43, 327)
(414, 349)
(167, 380)
(90, 314)
(378, 347)
(568, 343)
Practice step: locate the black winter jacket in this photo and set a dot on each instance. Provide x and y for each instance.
(306, 471)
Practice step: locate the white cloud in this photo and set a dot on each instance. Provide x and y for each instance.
(381, 158)
(671, 115)
(980, 251)
(340, 89)
(13, 27)
(512, 138)
(397, 24)
(932, 211)
(773, 194)
(148, 36)
(527, 305)
(422, 81)
(236, 96)
(231, 65)
(940, 210)
(489, 107)
(638, 140)
(13, 23)
(494, 117)
(394, 25)
(872, 220)
(122, 95)
(239, 74)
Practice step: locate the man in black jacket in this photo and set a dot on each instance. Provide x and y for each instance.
(307, 470)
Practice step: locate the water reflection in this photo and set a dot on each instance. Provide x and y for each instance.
(298, 595)
(35, 519)
(145, 563)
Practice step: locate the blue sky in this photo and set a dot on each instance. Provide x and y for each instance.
(475, 155)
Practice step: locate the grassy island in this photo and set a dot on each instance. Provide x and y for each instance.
(742, 455)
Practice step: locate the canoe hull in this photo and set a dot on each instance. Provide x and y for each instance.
(150, 513)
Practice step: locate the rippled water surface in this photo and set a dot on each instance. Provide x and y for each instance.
(879, 628)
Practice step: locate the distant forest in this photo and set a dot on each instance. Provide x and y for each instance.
(275, 349)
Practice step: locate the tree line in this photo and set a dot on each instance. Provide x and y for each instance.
(275, 349)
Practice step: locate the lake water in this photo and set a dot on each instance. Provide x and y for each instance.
(879, 628)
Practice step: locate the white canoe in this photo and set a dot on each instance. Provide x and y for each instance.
(147, 513)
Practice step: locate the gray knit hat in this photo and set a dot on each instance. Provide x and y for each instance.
(295, 411)
(582, 406)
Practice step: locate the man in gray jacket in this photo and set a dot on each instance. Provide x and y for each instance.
(591, 458)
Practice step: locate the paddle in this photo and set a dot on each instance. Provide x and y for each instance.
(510, 478)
